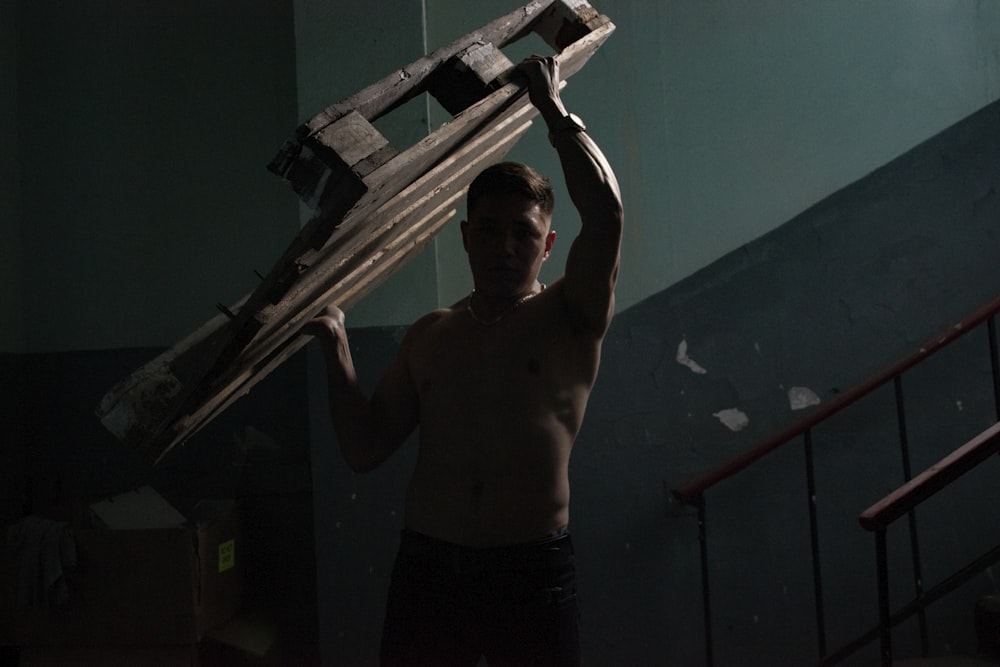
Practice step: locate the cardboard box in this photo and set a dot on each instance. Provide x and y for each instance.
(135, 587)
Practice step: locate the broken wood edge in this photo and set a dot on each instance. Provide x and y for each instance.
(157, 377)
(242, 384)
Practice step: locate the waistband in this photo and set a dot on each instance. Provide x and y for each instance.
(550, 551)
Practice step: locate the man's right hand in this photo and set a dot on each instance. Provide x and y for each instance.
(542, 75)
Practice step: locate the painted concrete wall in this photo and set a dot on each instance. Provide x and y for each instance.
(144, 130)
(11, 327)
(723, 120)
(812, 308)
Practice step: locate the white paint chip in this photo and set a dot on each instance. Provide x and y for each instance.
(800, 398)
(733, 419)
(684, 360)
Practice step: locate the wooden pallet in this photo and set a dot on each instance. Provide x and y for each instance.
(375, 208)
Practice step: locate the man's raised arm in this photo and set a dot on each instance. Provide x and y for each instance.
(592, 265)
(368, 430)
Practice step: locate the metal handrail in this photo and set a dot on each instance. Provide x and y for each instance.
(903, 501)
(932, 480)
(691, 492)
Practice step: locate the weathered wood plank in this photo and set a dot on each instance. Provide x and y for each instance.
(469, 76)
(567, 21)
(404, 84)
(375, 209)
(402, 233)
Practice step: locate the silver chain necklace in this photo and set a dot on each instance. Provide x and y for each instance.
(512, 308)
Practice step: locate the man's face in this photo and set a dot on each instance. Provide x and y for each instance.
(507, 238)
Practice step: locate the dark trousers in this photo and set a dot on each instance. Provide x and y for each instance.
(448, 605)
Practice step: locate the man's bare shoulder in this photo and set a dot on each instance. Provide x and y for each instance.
(436, 317)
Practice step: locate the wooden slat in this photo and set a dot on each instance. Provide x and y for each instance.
(348, 284)
(375, 207)
(545, 17)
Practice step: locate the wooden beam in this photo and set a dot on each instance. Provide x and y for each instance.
(375, 208)
(350, 276)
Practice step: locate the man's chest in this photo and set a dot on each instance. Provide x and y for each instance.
(484, 363)
(530, 356)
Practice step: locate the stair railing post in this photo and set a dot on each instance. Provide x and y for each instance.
(706, 599)
(814, 543)
(918, 577)
(884, 622)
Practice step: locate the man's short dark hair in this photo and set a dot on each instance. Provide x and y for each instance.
(512, 178)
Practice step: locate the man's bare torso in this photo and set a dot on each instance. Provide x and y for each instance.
(500, 407)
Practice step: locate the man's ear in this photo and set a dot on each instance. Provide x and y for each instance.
(550, 239)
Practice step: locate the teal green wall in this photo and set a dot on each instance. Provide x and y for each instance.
(144, 130)
(724, 120)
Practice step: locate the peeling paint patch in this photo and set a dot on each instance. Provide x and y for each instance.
(959, 405)
(733, 418)
(800, 398)
(684, 360)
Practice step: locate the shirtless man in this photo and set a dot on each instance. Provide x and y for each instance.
(498, 385)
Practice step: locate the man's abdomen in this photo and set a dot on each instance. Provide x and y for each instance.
(515, 506)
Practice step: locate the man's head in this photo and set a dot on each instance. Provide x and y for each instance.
(507, 235)
(512, 178)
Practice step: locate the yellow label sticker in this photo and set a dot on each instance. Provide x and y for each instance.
(227, 555)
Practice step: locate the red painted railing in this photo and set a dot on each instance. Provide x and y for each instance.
(692, 491)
